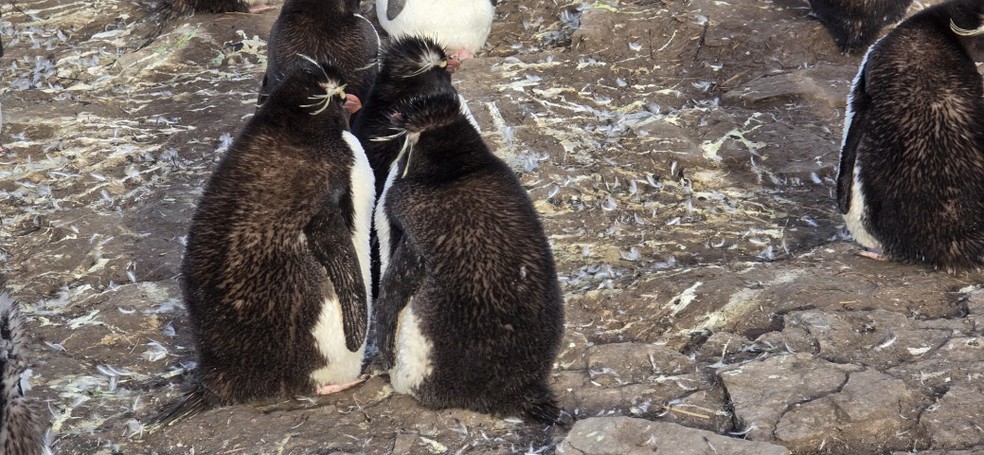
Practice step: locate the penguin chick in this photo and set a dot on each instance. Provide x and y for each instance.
(21, 425)
(460, 26)
(276, 270)
(330, 31)
(470, 312)
(854, 24)
(911, 176)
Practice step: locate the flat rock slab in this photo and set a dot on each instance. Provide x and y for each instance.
(873, 411)
(955, 421)
(631, 436)
(762, 391)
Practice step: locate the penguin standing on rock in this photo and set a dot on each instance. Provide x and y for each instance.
(326, 31)
(470, 312)
(21, 427)
(276, 270)
(460, 26)
(856, 23)
(911, 177)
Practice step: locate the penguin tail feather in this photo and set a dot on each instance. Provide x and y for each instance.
(192, 403)
(539, 405)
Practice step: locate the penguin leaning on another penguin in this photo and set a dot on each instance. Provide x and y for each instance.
(470, 312)
(276, 269)
(22, 430)
(854, 24)
(327, 31)
(460, 26)
(911, 176)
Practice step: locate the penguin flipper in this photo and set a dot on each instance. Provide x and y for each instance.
(860, 104)
(399, 283)
(331, 244)
(394, 7)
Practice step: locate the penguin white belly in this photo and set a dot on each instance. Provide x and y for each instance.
(857, 213)
(454, 24)
(363, 187)
(382, 223)
(343, 365)
(329, 333)
(412, 353)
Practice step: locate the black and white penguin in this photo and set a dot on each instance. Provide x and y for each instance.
(854, 24)
(327, 31)
(460, 26)
(409, 67)
(911, 177)
(21, 426)
(470, 312)
(276, 269)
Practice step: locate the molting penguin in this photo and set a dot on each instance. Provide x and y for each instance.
(326, 31)
(276, 270)
(470, 313)
(460, 26)
(409, 67)
(856, 23)
(21, 426)
(911, 177)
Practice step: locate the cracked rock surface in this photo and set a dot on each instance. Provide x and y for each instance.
(682, 156)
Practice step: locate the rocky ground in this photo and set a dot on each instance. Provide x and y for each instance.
(682, 156)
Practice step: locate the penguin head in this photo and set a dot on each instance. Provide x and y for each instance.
(967, 22)
(419, 114)
(313, 88)
(413, 65)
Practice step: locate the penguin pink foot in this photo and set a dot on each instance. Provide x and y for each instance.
(334, 388)
(874, 254)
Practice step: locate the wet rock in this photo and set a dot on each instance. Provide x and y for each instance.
(762, 390)
(872, 412)
(954, 422)
(630, 436)
(877, 338)
(822, 83)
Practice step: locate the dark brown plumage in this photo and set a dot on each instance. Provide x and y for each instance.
(327, 31)
(21, 425)
(911, 179)
(271, 244)
(470, 312)
(854, 24)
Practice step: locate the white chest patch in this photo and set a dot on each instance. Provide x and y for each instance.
(363, 185)
(382, 223)
(413, 353)
(344, 365)
(857, 213)
(454, 24)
